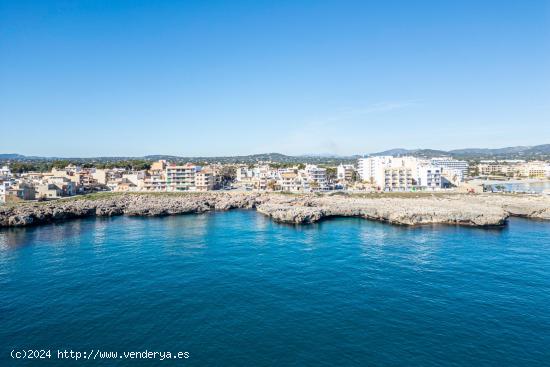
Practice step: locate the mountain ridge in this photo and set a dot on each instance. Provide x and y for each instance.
(515, 152)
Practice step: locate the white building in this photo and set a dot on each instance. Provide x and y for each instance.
(316, 177)
(399, 173)
(5, 171)
(4, 186)
(243, 173)
(369, 168)
(290, 182)
(388, 173)
(451, 164)
(429, 176)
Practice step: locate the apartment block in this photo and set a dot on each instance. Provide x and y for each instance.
(181, 178)
(155, 182)
(429, 177)
(204, 180)
(397, 179)
(371, 167)
(345, 172)
(316, 177)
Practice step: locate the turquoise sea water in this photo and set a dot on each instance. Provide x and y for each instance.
(236, 289)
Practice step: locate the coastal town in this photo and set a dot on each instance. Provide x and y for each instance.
(367, 174)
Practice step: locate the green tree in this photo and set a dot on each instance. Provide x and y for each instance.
(331, 173)
(228, 174)
(314, 185)
(271, 185)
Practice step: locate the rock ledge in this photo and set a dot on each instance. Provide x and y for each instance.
(456, 209)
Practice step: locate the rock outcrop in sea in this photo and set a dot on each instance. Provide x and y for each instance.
(457, 209)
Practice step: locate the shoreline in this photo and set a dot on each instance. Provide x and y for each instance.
(479, 210)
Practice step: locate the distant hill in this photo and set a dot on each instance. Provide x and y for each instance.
(518, 152)
(245, 159)
(11, 156)
(413, 152)
(508, 150)
(395, 152)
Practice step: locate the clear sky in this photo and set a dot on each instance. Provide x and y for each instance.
(115, 77)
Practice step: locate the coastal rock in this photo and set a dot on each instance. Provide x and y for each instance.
(456, 209)
(291, 214)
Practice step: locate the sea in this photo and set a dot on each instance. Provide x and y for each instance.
(537, 187)
(237, 289)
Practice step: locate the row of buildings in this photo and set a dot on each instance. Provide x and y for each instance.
(73, 180)
(383, 173)
(29, 186)
(514, 168)
(377, 173)
(300, 178)
(390, 173)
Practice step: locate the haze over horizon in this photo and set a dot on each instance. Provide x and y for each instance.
(210, 78)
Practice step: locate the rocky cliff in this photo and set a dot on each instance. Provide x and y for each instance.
(472, 210)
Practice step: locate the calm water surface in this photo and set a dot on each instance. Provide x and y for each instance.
(235, 289)
(530, 187)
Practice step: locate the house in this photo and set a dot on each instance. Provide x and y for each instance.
(16, 192)
(100, 176)
(48, 191)
(5, 172)
(55, 188)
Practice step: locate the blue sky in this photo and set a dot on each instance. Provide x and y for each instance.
(115, 77)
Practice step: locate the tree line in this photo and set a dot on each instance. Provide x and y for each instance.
(46, 166)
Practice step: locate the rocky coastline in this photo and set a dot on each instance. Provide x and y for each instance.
(482, 210)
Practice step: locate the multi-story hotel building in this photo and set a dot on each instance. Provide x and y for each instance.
(399, 174)
(452, 165)
(180, 178)
(369, 168)
(535, 169)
